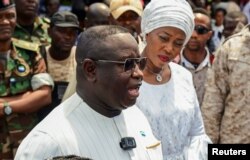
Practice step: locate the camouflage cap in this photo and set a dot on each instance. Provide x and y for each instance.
(5, 4)
(65, 19)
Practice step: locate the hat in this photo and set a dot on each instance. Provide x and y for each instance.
(118, 7)
(5, 4)
(65, 19)
(168, 13)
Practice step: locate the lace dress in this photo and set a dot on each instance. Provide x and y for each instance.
(174, 115)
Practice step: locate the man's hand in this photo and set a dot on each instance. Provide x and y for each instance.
(41, 66)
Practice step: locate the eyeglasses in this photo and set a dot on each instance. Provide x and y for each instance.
(201, 29)
(129, 63)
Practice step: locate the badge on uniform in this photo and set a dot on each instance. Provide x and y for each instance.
(22, 68)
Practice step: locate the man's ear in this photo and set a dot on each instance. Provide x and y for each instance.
(89, 69)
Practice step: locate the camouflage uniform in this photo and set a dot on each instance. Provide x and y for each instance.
(226, 104)
(39, 34)
(16, 79)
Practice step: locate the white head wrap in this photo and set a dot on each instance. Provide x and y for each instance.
(172, 13)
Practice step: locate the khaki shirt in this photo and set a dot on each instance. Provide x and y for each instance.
(226, 104)
(199, 74)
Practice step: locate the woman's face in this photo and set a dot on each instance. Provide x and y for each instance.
(163, 45)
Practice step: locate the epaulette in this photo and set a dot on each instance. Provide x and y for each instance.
(46, 20)
(25, 44)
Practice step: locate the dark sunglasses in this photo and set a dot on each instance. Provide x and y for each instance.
(129, 63)
(201, 29)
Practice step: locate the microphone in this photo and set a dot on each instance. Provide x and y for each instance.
(127, 143)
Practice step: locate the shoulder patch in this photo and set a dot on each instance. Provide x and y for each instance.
(25, 44)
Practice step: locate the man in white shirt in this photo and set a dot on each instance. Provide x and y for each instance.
(125, 13)
(195, 56)
(98, 121)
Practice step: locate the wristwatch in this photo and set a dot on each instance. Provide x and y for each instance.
(7, 109)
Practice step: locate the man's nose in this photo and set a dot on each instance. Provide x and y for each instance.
(137, 72)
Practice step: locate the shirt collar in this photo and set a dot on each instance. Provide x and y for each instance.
(206, 62)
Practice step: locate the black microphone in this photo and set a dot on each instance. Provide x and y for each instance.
(128, 143)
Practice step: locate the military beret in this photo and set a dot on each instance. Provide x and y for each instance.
(5, 4)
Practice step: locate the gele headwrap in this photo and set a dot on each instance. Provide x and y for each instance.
(172, 13)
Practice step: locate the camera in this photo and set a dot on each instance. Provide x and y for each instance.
(128, 143)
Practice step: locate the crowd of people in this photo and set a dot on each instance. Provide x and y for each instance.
(123, 79)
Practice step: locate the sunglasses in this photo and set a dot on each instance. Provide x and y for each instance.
(129, 63)
(201, 29)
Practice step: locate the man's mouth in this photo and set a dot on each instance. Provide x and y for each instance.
(134, 91)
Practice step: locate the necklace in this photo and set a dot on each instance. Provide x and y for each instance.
(158, 75)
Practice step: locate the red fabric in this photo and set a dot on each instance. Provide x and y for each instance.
(211, 58)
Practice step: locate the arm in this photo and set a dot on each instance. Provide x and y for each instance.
(216, 90)
(30, 101)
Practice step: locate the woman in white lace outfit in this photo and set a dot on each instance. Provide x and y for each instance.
(167, 96)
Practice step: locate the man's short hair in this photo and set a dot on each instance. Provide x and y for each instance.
(220, 10)
(204, 12)
(90, 42)
(201, 11)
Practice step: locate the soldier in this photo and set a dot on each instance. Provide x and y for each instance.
(30, 27)
(23, 87)
(226, 104)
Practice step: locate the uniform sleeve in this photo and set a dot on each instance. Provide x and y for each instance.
(37, 146)
(216, 89)
(197, 149)
(41, 79)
